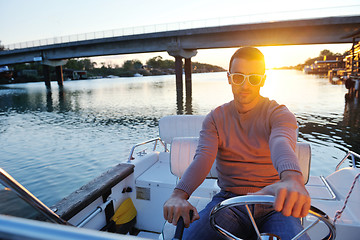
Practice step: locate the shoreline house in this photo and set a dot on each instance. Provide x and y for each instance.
(70, 74)
(352, 61)
(339, 67)
(324, 66)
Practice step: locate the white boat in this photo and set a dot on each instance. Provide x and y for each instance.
(112, 76)
(145, 180)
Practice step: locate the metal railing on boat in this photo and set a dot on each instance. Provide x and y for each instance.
(156, 140)
(23, 193)
(353, 155)
(98, 210)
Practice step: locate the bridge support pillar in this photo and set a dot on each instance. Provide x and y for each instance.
(188, 84)
(179, 54)
(46, 72)
(59, 76)
(178, 74)
(58, 69)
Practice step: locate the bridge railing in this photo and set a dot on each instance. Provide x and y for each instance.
(352, 10)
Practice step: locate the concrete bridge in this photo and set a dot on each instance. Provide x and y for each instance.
(184, 43)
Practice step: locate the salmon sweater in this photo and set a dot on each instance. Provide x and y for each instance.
(251, 149)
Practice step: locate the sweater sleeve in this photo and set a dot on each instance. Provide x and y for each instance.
(204, 157)
(282, 141)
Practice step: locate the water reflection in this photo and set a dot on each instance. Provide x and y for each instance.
(63, 104)
(188, 104)
(180, 102)
(351, 122)
(331, 134)
(22, 101)
(49, 101)
(352, 113)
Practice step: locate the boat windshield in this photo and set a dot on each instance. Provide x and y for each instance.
(11, 204)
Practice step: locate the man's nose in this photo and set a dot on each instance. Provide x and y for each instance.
(246, 83)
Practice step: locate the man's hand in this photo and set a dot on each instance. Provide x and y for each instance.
(291, 196)
(176, 206)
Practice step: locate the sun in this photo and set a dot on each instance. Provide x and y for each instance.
(273, 57)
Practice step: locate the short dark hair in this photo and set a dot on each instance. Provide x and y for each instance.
(247, 53)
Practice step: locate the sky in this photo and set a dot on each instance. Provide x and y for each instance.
(28, 20)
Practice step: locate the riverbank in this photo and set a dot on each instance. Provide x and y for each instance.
(77, 69)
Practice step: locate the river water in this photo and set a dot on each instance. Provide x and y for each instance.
(54, 142)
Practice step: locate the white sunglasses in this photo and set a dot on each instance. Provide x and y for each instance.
(253, 79)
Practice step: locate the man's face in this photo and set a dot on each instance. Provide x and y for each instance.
(246, 93)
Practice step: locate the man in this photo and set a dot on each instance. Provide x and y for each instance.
(253, 140)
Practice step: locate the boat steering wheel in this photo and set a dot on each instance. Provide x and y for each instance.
(265, 199)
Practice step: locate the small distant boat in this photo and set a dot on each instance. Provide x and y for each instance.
(130, 196)
(112, 76)
(137, 75)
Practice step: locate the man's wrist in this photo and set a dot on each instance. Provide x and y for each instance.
(180, 194)
(290, 174)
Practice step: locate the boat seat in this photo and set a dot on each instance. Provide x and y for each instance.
(303, 154)
(180, 126)
(182, 154)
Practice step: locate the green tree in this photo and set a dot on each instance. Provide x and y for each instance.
(167, 64)
(326, 52)
(137, 64)
(88, 65)
(74, 64)
(158, 62)
(127, 65)
(83, 64)
(154, 62)
(203, 67)
(132, 65)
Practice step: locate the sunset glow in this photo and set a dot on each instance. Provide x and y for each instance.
(273, 58)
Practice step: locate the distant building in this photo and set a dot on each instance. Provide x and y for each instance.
(323, 67)
(352, 61)
(74, 74)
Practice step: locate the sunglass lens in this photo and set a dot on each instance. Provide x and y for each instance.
(238, 79)
(255, 80)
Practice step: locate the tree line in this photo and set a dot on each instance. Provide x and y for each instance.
(33, 72)
(153, 66)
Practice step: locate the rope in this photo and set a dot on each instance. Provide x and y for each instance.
(339, 212)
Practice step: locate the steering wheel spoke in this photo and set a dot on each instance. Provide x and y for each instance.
(269, 200)
(305, 229)
(253, 221)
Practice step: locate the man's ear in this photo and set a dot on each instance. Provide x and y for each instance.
(263, 81)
